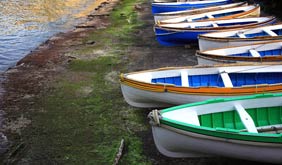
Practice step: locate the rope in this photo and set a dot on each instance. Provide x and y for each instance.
(155, 115)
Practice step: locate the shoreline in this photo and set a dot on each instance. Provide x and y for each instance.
(31, 74)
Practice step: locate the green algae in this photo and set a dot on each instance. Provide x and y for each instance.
(84, 117)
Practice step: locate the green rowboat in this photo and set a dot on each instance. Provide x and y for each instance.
(248, 127)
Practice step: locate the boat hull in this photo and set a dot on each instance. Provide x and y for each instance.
(177, 38)
(202, 60)
(149, 99)
(175, 6)
(176, 143)
(206, 43)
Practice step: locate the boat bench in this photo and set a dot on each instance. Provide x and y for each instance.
(241, 35)
(254, 53)
(226, 79)
(184, 78)
(269, 32)
(246, 118)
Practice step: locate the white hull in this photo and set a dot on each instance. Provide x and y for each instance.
(147, 99)
(209, 61)
(182, 144)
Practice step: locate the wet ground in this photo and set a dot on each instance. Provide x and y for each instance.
(35, 74)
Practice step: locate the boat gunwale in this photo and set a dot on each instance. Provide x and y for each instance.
(224, 39)
(212, 29)
(189, 3)
(242, 14)
(234, 59)
(198, 10)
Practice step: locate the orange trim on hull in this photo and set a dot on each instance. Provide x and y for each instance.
(211, 91)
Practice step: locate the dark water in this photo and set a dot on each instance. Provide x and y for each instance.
(24, 24)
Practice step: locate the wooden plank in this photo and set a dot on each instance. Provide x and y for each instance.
(226, 79)
(246, 118)
(241, 35)
(214, 24)
(189, 20)
(184, 78)
(254, 53)
(209, 16)
(271, 33)
(188, 116)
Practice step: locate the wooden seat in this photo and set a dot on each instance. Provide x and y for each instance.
(254, 53)
(226, 79)
(209, 16)
(269, 32)
(214, 24)
(246, 118)
(241, 35)
(189, 20)
(184, 78)
(187, 116)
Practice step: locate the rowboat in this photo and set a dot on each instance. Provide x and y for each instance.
(236, 12)
(259, 52)
(178, 6)
(165, 87)
(248, 127)
(187, 33)
(239, 37)
(170, 15)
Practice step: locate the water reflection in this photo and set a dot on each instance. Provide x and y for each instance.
(24, 24)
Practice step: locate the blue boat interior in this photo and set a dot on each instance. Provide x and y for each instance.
(278, 31)
(260, 34)
(236, 23)
(237, 79)
(273, 52)
(227, 14)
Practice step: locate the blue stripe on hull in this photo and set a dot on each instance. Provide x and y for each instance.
(172, 38)
(159, 8)
(178, 38)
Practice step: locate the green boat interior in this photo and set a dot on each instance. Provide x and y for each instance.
(265, 119)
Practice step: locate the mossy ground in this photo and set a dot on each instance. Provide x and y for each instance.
(84, 117)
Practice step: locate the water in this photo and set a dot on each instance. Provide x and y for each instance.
(25, 24)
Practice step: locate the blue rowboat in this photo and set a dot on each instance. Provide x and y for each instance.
(187, 33)
(175, 14)
(259, 52)
(240, 37)
(235, 12)
(179, 6)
